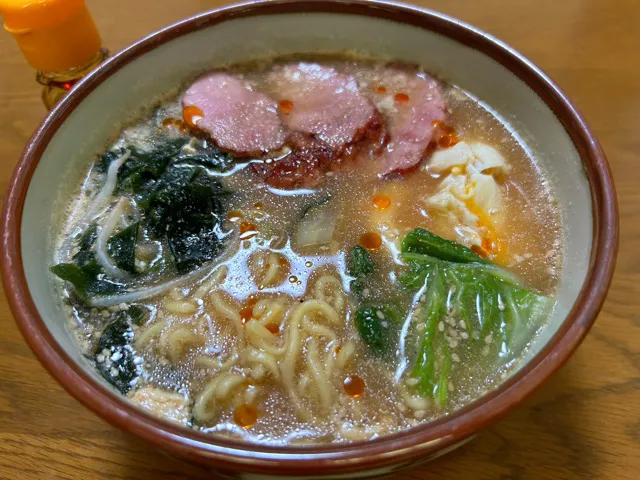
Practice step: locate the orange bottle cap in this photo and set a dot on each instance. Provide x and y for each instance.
(54, 35)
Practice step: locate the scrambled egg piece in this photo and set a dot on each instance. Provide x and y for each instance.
(470, 196)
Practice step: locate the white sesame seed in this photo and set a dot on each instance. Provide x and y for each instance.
(105, 313)
(106, 352)
(411, 381)
(419, 413)
(114, 372)
(116, 356)
(455, 357)
(453, 343)
(420, 327)
(485, 351)
(441, 326)
(379, 314)
(453, 333)
(99, 358)
(462, 324)
(488, 339)
(464, 335)
(138, 360)
(450, 386)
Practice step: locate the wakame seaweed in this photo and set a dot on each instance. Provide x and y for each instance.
(114, 354)
(186, 209)
(142, 168)
(209, 156)
(85, 273)
(180, 203)
(488, 299)
(122, 248)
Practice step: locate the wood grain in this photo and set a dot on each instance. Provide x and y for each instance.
(584, 423)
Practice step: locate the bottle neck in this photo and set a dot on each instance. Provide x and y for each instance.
(57, 84)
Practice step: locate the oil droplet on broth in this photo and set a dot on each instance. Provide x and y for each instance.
(245, 415)
(370, 241)
(273, 328)
(246, 313)
(285, 106)
(353, 386)
(247, 230)
(174, 122)
(401, 98)
(293, 279)
(192, 115)
(235, 216)
(381, 201)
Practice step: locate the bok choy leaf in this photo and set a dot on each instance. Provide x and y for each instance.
(458, 284)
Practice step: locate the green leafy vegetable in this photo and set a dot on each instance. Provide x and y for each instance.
(360, 266)
(487, 298)
(426, 243)
(122, 248)
(114, 355)
(375, 324)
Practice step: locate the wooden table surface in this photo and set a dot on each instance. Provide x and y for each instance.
(585, 421)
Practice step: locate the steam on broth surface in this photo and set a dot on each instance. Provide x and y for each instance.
(310, 250)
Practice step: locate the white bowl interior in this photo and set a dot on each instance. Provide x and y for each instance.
(96, 120)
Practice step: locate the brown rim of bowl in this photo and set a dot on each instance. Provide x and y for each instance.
(324, 459)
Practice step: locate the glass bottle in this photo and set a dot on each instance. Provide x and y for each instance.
(58, 38)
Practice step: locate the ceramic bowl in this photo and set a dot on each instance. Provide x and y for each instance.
(80, 126)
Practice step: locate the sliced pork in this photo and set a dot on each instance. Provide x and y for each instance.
(238, 118)
(324, 103)
(412, 107)
(305, 166)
